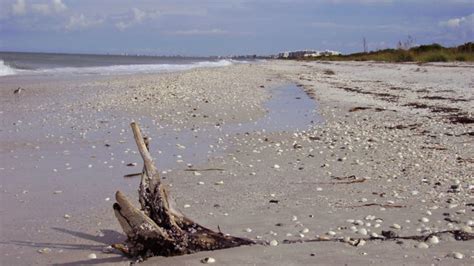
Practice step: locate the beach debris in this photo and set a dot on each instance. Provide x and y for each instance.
(44, 250)
(57, 192)
(157, 229)
(273, 243)
(92, 256)
(108, 249)
(18, 91)
(208, 260)
(329, 72)
(67, 216)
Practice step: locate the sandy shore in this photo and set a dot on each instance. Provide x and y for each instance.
(402, 132)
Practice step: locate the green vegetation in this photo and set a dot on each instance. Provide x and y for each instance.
(424, 53)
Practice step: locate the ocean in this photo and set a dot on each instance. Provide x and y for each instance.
(49, 64)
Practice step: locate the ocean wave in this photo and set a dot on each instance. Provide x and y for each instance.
(125, 69)
(6, 70)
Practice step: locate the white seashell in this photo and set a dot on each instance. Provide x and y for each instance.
(422, 245)
(457, 255)
(433, 240)
(67, 216)
(44, 250)
(424, 220)
(276, 166)
(208, 260)
(108, 249)
(273, 243)
(220, 182)
(362, 231)
(396, 226)
(92, 256)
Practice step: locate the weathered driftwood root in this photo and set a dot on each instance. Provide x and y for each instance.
(157, 229)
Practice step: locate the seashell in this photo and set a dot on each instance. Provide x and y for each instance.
(273, 243)
(208, 260)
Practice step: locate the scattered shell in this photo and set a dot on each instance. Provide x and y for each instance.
(424, 220)
(273, 243)
(187, 206)
(422, 245)
(276, 166)
(305, 230)
(44, 250)
(433, 240)
(360, 243)
(396, 226)
(362, 231)
(108, 249)
(58, 192)
(248, 230)
(457, 255)
(219, 182)
(92, 256)
(373, 234)
(67, 216)
(208, 260)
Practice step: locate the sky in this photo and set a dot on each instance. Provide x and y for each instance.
(229, 27)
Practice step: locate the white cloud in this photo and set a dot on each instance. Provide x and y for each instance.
(41, 9)
(58, 5)
(80, 22)
(460, 29)
(461, 22)
(19, 7)
(137, 16)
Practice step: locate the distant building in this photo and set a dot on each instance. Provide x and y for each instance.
(306, 54)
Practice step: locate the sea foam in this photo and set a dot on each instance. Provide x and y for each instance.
(126, 69)
(6, 70)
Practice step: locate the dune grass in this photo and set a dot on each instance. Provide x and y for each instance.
(423, 53)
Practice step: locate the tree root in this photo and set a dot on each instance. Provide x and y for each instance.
(157, 229)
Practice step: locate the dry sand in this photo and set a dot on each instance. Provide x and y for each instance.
(403, 130)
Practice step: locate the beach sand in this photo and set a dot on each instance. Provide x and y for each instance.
(403, 132)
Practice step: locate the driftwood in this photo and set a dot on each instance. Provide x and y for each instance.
(157, 229)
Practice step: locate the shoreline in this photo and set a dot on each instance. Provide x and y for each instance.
(387, 144)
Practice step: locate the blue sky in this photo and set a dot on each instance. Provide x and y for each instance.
(223, 27)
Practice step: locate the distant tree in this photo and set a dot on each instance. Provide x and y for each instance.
(399, 45)
(364, 43)
(409, 42)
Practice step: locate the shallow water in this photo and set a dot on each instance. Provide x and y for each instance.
(288, 109)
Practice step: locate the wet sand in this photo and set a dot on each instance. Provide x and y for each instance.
(65, 146)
